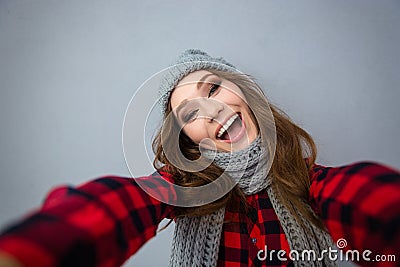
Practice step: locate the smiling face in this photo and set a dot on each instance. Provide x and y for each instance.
(213, 110)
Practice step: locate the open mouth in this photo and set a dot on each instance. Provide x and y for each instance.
(232, 130)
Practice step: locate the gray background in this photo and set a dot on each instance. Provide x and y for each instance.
(69, 69)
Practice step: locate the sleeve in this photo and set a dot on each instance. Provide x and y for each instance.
(360, 206)
(100, 223)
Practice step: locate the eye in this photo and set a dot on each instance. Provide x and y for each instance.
(213, 88)
(190, 115)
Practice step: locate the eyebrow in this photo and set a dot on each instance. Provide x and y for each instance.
(199, 84)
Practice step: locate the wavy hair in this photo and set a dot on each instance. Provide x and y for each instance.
(294, 155)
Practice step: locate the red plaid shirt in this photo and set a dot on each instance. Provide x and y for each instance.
(105, 221)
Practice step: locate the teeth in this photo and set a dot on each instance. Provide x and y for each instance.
(227, 124)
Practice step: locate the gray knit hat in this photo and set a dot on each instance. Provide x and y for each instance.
(189, 61)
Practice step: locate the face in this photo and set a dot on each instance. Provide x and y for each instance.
(212, 112)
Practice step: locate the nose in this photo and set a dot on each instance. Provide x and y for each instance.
(211, 108)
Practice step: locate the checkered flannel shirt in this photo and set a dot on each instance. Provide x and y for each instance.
(105, 221)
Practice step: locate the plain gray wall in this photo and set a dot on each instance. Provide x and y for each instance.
(69, 69)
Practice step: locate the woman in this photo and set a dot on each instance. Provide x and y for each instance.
(236, 175)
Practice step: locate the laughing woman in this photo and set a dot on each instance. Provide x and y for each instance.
(237, 176)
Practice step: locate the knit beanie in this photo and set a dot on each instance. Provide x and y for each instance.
(189, 61)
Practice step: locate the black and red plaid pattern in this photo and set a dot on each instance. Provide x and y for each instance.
(360, 203)
(100, 223)
(248, 231)
(104, 221)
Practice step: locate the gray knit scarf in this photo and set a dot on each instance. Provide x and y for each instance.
(196, 240)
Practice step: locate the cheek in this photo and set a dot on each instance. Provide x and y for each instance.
(195, 131)
(232, 98)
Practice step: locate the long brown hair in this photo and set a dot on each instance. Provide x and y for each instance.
(293, 157)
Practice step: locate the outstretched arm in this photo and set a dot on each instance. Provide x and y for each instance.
(100, 223)
(361, 204)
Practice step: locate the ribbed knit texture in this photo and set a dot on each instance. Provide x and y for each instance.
(244, 166)
(189, 61)
(309, 238)
(196, 239)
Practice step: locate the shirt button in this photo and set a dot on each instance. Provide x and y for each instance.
(253, 240)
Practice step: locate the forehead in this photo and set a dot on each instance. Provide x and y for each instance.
(193, 76)
(187, 87)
